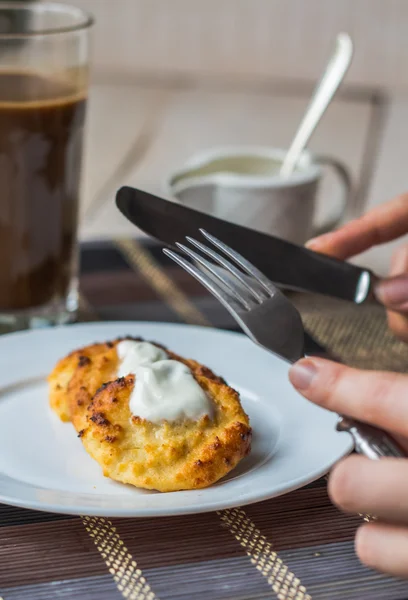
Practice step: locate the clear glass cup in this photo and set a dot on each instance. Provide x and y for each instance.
(44, 66)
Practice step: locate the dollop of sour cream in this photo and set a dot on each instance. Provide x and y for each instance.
(134, 354)
(165, 389)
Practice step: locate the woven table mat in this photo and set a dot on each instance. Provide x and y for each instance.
(294, 547)
(357, 334)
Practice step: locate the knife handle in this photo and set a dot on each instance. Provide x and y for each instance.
(370, 441)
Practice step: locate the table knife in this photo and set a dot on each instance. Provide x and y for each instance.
(288, 265)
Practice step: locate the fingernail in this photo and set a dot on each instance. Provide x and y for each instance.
(319, 242)
(302, 374)
(313, 243)
(393, 291)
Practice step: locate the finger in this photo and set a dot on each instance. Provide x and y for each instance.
(377, 487)
(376, 397)
(382, 224)
(398, 323)
(393, 291)
(384, 548)
(399, 261)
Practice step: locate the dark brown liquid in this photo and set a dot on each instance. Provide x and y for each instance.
(41, 130)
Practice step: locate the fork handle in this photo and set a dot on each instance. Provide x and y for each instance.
(368, 440)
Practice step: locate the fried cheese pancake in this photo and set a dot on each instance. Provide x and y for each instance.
(79, 374)
(165, 456)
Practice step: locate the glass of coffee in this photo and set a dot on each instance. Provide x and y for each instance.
(44, 60)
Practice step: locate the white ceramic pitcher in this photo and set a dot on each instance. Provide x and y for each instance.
(243, 185)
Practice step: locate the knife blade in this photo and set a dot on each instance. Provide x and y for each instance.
(288, 265)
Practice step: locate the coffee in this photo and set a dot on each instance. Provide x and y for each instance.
(41, 130)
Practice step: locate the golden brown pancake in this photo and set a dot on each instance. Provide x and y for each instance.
(81, 372)
(165, 456)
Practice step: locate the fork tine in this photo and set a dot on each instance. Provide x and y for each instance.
(242, 262)
(228, 266)
(210, 267)
(205, 280)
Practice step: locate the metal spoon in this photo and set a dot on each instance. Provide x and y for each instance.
(322, 96)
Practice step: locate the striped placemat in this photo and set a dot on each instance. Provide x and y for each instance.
(294, 547)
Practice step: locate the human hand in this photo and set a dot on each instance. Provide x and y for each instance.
(358, 484)
(380, 225)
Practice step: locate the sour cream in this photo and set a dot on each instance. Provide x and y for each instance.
(133, 354)
(164, 390)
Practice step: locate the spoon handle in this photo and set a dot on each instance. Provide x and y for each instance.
(324, 92)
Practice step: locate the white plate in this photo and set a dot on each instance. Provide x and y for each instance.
(44, 466)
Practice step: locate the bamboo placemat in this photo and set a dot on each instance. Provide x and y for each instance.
(294, 547)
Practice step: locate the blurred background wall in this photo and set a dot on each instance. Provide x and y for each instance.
(182, 75)
(254, 39)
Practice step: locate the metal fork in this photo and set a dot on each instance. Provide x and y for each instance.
(268, 318)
